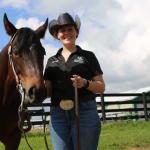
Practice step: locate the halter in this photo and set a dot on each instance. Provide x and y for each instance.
(19, 84)
(20, 89)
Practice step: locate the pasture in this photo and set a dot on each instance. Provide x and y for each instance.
(121, 135)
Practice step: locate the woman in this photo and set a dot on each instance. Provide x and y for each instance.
(72, 66)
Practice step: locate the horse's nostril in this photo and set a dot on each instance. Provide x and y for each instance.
(32, 92)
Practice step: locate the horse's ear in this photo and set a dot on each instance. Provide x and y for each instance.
(40, 31)
(9, 27)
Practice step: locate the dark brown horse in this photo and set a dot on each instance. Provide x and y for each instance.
(21, 63)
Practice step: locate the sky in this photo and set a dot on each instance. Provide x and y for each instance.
(117, 31)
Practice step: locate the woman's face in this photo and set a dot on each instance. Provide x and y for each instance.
(67, 35)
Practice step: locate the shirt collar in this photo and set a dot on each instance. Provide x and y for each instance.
(60, 50)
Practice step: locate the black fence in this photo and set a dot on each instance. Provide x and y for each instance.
(134, 106)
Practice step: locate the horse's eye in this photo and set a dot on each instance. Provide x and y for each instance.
(15, 50)
(32, 47)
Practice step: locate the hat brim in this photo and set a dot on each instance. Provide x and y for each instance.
(53, 30)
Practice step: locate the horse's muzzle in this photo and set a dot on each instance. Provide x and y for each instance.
(35, 95)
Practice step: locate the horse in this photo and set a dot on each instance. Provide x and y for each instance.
(21, 65)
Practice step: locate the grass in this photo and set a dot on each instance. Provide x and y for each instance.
(36, 140)
(123, 135)
(114, 136)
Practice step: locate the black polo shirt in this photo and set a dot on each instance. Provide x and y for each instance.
(59, 72)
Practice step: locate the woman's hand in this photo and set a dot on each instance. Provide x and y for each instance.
(78, 81)
(96, 85)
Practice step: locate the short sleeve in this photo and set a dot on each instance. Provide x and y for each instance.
(94, 65)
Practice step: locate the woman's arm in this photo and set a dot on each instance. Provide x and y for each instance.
(97, 84)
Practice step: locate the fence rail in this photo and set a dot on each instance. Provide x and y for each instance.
(108, 110)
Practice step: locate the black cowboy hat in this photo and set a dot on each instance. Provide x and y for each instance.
(63, 19)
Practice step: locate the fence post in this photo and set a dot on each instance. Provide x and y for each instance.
(145, 106)
(103, 108)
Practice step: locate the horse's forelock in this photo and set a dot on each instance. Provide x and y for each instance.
(25, 37)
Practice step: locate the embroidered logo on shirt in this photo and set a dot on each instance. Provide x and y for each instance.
(79, 59)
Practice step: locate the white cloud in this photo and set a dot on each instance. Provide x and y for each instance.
(31, 22)
(54, 8)
(121, 42)
(14, 3)
(50, 51)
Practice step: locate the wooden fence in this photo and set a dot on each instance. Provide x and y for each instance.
(134, 108)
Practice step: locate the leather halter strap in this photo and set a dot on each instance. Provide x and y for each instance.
(10, 58)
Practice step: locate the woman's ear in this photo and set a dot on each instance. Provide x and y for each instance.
(55, 35)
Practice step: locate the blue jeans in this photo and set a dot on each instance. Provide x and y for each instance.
(64, 131)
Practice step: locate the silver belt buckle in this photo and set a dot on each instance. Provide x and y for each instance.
(66, 104)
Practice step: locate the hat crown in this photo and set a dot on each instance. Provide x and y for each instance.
(65, 19)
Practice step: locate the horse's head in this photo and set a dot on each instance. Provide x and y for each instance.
(27, 54)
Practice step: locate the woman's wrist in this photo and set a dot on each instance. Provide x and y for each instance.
(86, 83)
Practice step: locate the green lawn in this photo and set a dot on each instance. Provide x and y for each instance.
(114, 136)
(122, 135)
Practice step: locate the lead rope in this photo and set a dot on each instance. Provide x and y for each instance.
(77, 115)
(20, 109)
(44, 127)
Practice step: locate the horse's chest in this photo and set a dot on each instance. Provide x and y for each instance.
(8, 123)
(8, 114)
(1, 93)
(7, 119)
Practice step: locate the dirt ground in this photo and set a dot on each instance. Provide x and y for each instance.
(144, 148)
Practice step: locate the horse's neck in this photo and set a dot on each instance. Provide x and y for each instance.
(3, 65)
(8, 92)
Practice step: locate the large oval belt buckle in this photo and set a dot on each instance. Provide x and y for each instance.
(66, 104)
